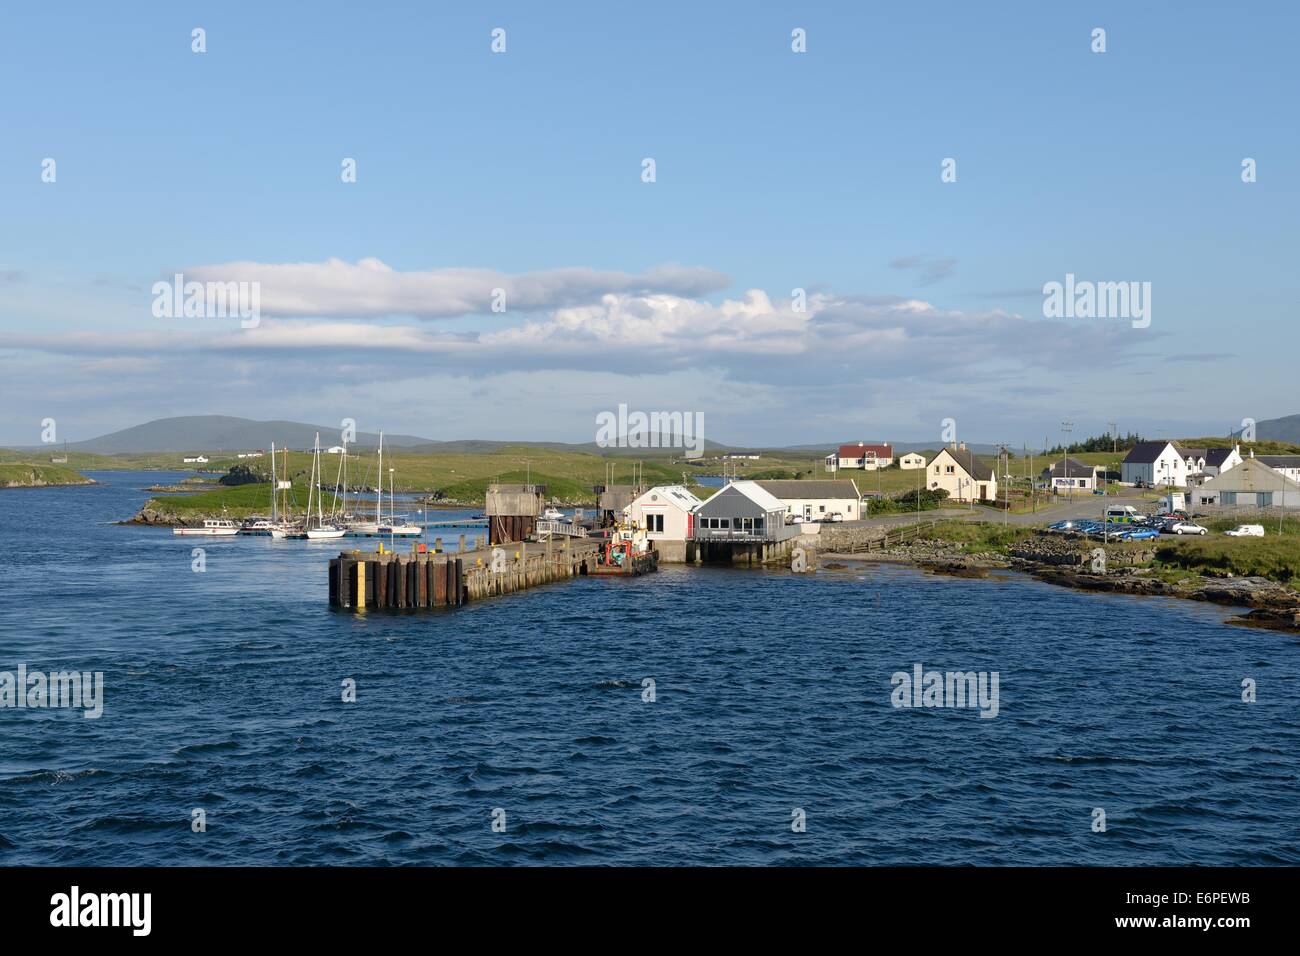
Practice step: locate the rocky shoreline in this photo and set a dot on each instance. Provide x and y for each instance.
(41, 483)
(1058, 561)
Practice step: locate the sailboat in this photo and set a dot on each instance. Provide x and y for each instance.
(399, 526)
(277, 526)
(318, 529)
(361, 526)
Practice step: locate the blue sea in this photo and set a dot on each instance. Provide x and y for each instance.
(223, 692)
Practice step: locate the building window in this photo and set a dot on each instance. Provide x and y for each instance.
(758, 524)
(654, 522)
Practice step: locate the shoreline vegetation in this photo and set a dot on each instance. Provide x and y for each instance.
(1261, 574)
(22, 474)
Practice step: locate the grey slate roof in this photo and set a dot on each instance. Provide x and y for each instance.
(1069, 468)
(1145, 452)
(975, 467)
(812, 488)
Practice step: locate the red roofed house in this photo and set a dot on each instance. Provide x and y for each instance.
(862, 455)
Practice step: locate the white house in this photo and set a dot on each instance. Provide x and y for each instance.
(1288, 465)
(813, 500)
(1219, 460)
(862, 455)
(197, 460)
(965, 477)
(1158, 463)
(664, 511)
(1067, 473)
(911, 460)
(336, 450)
(1250, 484)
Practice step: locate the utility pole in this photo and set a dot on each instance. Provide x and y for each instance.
(1066, 428)
(1114, 438)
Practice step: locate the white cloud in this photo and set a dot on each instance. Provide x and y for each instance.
(370, 288)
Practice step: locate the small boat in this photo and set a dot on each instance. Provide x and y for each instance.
(212, 527)
(626, 552)
(552, 513)
(400, 528)
(261, 528)
(319, 529)
(326, 531)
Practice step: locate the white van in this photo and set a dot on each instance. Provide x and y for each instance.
(1121, 513)
(1247, 531)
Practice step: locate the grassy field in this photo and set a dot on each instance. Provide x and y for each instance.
(18, 474)
(1276, 558)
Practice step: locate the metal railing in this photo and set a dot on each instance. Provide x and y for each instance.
(564, 528)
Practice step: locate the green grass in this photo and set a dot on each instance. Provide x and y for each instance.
(1290, 526)
(21, 474)
(979, 536)
(1277, 559)
(239, 501)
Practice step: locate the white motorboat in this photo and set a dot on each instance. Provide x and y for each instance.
(552, 513)
(401, 529)
(212, 527)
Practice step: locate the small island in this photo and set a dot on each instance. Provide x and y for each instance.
(26, 474)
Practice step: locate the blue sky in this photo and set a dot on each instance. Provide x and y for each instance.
(775, 170)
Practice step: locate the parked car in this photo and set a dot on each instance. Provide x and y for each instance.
(833, 516)
(1138, 534)
(1247, 531)
(1184, 527)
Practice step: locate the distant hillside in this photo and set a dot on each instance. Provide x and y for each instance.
(901, 447)
(1279, 429)
(223, 433)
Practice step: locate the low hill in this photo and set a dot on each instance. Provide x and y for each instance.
(222, 432)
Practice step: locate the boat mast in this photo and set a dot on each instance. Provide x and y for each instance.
(379, 498)
(320, 517)
(275, 491)
(338, 483)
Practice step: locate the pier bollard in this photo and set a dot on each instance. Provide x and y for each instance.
(462, 544)
(437, 545)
